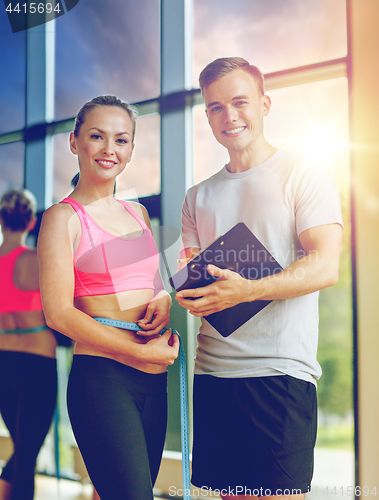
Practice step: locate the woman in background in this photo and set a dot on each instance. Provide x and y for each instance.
(98, 259)
(28, 376)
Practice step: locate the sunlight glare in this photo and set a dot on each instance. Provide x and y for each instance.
(321, 143)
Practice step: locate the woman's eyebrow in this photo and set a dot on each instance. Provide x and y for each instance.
(103, 131)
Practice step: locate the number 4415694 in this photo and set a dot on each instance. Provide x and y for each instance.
(33, 8)
(355, 491)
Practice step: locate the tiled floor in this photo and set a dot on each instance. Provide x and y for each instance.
(333, 469)
(47, 489)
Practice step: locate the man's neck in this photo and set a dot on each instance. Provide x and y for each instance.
(240, 161)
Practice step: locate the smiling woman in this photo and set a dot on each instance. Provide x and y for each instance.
(109, 146)
(99, 259)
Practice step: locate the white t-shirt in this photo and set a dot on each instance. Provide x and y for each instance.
(277, 200)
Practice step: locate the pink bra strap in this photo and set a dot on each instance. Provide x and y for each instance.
(132, 212)
(142, 222)
(81, 214)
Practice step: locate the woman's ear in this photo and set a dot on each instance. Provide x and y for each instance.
(131, 154)
(32, 224)
(73, 144)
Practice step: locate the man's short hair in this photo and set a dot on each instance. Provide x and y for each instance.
(224, 65)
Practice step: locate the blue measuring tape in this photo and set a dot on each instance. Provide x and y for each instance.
(183, 398)
(25, 330)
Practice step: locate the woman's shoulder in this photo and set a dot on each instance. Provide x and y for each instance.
(60, 212)
(59, 222)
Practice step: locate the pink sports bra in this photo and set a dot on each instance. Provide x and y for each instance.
(105, 263)
(12, 299)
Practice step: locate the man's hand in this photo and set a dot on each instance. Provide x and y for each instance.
(229, 290)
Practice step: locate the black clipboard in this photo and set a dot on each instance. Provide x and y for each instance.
(240, 251)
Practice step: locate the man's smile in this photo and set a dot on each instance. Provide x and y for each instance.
(233, 131)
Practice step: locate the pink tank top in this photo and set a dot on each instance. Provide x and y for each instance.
(105, 263)
(12, 299)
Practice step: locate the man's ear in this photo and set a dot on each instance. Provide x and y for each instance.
(207, 115)
(73, 144)
(266, 102)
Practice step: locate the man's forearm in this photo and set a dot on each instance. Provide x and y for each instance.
(308, 274)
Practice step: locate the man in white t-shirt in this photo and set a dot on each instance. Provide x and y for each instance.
(255, 391)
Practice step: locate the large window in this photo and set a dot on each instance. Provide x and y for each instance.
(106, 48)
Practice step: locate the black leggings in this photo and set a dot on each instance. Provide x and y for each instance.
(28, 393)
(119, 417)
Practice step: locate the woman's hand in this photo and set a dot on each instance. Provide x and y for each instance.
(157, 315)
(162, 350)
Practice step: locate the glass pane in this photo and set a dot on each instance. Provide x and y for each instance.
(142, 174)
(12, 71)
(65, 166)
(273, 34)
(313, 119)
(107, 48)
(11, 166)
(209, 155)
(11, 169)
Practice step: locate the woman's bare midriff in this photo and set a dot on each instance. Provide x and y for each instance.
(42, 343)
(127, 306)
